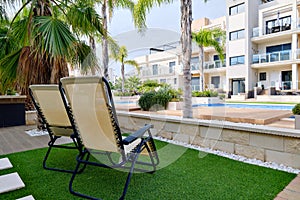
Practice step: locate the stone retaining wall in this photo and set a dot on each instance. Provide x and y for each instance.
(268, 144)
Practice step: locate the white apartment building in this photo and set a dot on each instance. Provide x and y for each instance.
(164, 62)
(262, 50)
(262, 45)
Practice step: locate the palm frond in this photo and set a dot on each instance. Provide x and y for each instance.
(8, 70)
(142, 8)
(54, 36)
(84, 19)
(133, 63)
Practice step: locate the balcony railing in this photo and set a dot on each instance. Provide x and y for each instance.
(271, 57)
(257, 31)
(161, 70)
(214, 64)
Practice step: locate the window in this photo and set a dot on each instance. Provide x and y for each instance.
(171, 67)
(163, 80)
(237, 34)
(154, 69)
(195, 63)
(195, 82)
(278, 24)
(237, 9)
(262, 76)
(175, 81)
(237, 60)
(215, 80)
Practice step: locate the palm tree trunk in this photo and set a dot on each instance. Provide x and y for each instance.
(123, 77)
(186, 42)
(201, 59)
(93, 46)
(104, 41)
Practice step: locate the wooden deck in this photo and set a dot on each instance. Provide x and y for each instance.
(14, 139)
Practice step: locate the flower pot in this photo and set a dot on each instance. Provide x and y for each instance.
(175, 105)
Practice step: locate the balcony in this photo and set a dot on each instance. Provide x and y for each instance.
(272, 57)
(257, 31)
(162, 70)
(214, 64)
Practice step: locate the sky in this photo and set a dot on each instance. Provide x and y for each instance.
(167, 16)
(163, 25)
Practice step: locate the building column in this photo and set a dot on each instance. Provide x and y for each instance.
(294, 47)
(295, 77)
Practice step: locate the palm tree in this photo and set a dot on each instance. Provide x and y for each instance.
(140, 10)
(120, 56)
(46, 44)
(208, 38)
(107, 9)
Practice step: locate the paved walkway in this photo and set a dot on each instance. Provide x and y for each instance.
(14, 139)
(291, 191)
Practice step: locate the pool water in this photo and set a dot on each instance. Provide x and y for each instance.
(261, 106)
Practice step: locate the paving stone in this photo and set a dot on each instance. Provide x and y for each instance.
(30, 197)
(5, 164)
(10, 182)
(290, 195)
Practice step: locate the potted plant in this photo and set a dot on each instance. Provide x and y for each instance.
(296, 112)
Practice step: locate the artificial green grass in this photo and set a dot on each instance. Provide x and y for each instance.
(190, 176)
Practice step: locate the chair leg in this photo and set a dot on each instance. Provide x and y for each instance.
(129, 176)
(51, 145)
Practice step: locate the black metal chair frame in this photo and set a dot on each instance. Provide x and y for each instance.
(147, 143)
(53, 138)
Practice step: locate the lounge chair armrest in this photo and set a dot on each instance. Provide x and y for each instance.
(138, 134)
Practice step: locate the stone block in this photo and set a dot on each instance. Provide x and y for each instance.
(204, 142)
(172, 127)
(292, 145)
(272, 142)
(211, 133)
(188, 129)
(165, 134)
(158, 126)
(234, 136)
(126, 123)
(288, 159)
(223, 146)
(139, 122)
(181, 138)
(250, 152)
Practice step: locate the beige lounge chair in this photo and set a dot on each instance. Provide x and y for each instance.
(96, 122)
(50, 107)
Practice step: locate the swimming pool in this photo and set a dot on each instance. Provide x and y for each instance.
(261, 106)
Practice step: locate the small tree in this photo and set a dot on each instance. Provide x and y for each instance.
(132, 84)
(207, 38)
(120, 55)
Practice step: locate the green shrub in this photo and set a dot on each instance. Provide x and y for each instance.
(146, 101)
(148, 86)
(123, 94)
(154, 99)
(162, 98)
(205, 93)
(296, 109)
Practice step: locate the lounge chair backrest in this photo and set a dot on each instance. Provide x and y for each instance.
(93, 113)
(48, 98)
